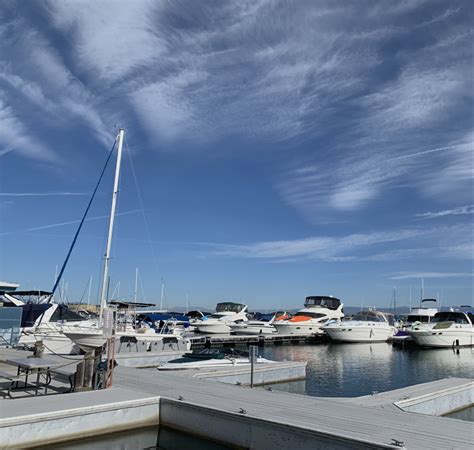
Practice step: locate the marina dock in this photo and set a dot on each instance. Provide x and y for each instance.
(261, 340)
(240, 416)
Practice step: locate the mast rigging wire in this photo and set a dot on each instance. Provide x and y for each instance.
(80, 224)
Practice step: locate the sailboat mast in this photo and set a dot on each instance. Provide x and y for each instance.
(103, 297)
(162, 294)
(89, 294)
(136, 285)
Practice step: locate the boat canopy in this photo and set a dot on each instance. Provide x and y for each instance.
(230, 306)
(32, 293)
(423, 318)
(454, 316)
(155, 317)
(31, 312)
(324, 301)
(373, 316)
(129, 305)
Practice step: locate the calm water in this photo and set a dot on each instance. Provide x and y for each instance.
(463, 414)
(351, 370)
(142, 439)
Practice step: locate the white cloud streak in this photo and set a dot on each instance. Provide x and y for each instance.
(42, 194)
(62, 224)
(323, 248)
(419, 275)
(460, 210)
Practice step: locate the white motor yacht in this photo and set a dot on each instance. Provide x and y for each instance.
(447, 329)
(227, 314)
(317, 311)
(212, 358)
(257, 327)
(43, 321)
(365, 326)
(417, 317)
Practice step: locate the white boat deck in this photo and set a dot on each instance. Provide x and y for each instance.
(346, 420)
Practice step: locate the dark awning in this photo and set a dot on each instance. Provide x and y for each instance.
(128, 305)
(37, 293)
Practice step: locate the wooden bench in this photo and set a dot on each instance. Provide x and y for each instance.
(10, 377)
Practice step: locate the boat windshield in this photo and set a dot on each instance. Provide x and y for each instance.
(450, 316)
(229, 306)
(369, 316)
(215, 316)
(63, 313)
(325, 302)
(309, 314)
(418, 318)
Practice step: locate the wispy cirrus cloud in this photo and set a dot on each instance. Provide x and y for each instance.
(377, 109)
(39, 87)
(42, 194)
(321, 247)
(111, 38)
(460, 210)
(419, 275)
(63, 224)
(392, 245)
(14, 135)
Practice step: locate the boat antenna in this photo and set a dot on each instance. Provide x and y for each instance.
(103, 297)
(58, 278)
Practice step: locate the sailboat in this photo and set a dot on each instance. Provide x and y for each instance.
(130, 342)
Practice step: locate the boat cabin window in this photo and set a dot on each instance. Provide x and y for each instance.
(63, 313)
(309, 314)
(450, 316)
(216, 316)
(418, 318)
(229, 306)
(326, 302)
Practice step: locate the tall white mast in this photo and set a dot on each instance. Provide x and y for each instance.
(103, 296)
(136, 285)
(162, 294)
(89, 294)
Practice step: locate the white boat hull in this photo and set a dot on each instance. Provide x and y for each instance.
(212, 363)
(359, 333)
(53, 343)
(87, 341)
(252, 329)
(444, 338)
(303, 328)
(213, 328)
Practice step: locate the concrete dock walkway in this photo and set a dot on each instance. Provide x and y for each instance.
(309, 422)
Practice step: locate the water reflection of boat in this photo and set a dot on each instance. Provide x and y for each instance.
(365, 326)
(447, 329)
(309, 320)
(212, 358)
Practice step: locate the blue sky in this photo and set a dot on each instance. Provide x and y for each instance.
(280, 148)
